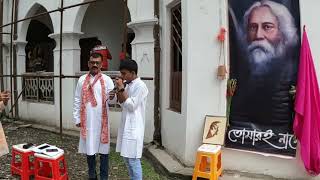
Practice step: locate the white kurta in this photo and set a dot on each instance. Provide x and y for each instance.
(92, 144)
(131, 130)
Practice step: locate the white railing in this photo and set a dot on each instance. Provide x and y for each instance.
(38, 89)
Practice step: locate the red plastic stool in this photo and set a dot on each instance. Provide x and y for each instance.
(50, 167)
(24, 165)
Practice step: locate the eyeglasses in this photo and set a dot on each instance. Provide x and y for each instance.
(95, 62)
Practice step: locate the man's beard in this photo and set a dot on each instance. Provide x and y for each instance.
(94, 70)
(261, 53)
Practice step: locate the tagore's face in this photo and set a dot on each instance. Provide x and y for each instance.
(263, 25)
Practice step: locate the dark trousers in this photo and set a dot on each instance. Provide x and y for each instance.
(104, 166)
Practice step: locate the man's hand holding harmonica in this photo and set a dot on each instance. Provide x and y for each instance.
(121, 94)
(4, 97)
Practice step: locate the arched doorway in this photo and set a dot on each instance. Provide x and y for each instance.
(39, 59)
(39, 49)
(107, 25)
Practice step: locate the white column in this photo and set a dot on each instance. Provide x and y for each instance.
(4, 59)
(21, 65)
(6, 65)
(143, 53)
(70, 65)
(21, 56)
(20, 50)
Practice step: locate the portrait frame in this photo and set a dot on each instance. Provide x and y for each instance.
(265, 69)
(214, 130)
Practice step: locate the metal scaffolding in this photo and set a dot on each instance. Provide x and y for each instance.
(13, 62)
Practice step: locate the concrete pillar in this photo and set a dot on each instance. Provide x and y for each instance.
(143, 53)
(21, 64)
(70, 65)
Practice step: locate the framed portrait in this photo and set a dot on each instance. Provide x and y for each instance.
(214, 130)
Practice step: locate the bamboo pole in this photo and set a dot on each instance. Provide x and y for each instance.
(60, 65)
(1, 42)
(11, 53)
(157, 49)
(15, 84)
(45, 13)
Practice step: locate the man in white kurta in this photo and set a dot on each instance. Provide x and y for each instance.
(91, 144)
(133, 99)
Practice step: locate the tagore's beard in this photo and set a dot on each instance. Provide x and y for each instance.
(261, 53)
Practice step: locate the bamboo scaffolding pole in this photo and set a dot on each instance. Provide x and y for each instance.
(48, 12)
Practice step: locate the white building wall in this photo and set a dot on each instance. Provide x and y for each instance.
(6, 42)
(206, 95)
(309, 10)
(4, 56)
(141, 9)
(29, 8)
(173, 124)
(69, 15)
(6, 19)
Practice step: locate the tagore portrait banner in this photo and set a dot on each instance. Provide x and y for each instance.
(264, 56)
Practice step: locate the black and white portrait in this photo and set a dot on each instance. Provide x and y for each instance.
(264, 54)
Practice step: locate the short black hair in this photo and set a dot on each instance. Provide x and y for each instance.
(129, 64)
(96, 55)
